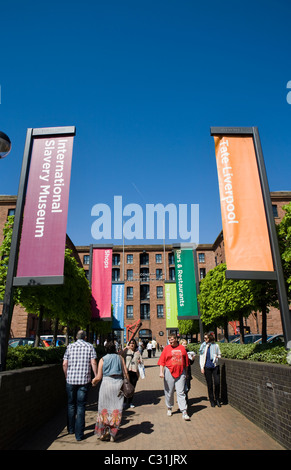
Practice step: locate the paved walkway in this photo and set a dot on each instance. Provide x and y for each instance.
(147, 427)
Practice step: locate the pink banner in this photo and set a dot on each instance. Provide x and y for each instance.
(101, 283)
(43, 237)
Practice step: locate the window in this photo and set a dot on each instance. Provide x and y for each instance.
(129, 294)
(159, 274)
(11, 212)
(144, 275)
(87, 274)
(171, 258)
(172, 276)
(275, 210)
(115, 260)
(159, 292)
(145, 311)
(160, 311)
(202, 273)
(130, 274)
(115, 274)
(144, 292)
(158, 258)
(129, 259)
(144, 258)
(86, 259)
(129, 311)
(201, 257)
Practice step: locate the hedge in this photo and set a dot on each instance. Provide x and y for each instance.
(250, 352)
(29, 356)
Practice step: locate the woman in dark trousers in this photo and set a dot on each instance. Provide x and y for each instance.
(132, 359)
(209, 353)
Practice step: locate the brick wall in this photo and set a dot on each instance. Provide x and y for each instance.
(261, 391)
(28, 397)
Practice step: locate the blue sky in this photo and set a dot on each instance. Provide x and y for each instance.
(143, 81)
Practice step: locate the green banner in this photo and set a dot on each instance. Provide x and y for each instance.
(186, 285)
(171, 305)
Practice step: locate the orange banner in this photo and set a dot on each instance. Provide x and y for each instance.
(245, 231)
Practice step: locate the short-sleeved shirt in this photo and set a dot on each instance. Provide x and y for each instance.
(79, 356)
(175, 359)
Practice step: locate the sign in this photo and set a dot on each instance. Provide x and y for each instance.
(171, 305)
(101, 282)
(186, 285)
(43, 236)
(245, 230)
(118, 306)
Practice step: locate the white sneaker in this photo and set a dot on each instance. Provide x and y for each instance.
(185, 416)
(131, 405)
(169, 412)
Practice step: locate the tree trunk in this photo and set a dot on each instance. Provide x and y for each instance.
(54, 343)
(241, 328)
(264, 324)
(67, 335)
(226, 329)
(39, 327)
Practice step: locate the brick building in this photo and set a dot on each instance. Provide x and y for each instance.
(144, 269)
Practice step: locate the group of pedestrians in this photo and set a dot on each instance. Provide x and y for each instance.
(175, 362)
(150, 346)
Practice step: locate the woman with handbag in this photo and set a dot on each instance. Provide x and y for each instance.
(132, 358)
(112, 371)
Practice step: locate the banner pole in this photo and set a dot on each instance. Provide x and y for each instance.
(277, 272)
(281, 287)
(8, 303)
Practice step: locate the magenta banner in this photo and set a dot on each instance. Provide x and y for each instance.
(101, 283)
(43, 236)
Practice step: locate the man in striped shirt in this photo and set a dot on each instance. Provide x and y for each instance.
(77, 362)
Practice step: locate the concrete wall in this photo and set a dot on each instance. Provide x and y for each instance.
(261, 391)
(28, 397)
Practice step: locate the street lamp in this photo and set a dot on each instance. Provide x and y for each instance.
(5, 145)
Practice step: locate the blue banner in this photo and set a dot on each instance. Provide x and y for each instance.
(118, 306)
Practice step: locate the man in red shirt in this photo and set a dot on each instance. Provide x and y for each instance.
(173, 364)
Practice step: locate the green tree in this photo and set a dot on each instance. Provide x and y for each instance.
(222, 300)
(284, 237)
(265, 295)
(188, 326)
(68, 303)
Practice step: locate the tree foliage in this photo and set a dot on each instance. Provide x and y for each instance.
(188, 326)
(69, 303)
(284, 237)
(222, 299)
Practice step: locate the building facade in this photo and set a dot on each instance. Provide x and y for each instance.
(144, 270)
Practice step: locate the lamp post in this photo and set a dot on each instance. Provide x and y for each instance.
(5, 145)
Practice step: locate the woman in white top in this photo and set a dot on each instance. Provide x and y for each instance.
(132, 359)
(209, 354)
(149, 349)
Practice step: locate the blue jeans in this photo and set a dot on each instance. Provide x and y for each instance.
(77, 400)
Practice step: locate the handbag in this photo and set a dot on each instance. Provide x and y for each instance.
(127, 389)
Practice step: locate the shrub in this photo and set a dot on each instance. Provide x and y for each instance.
(251, 352)
(28, 356)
